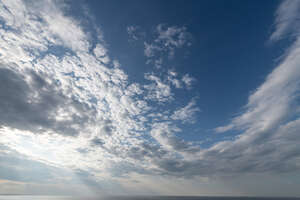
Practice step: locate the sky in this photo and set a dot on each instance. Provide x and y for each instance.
(135, 97)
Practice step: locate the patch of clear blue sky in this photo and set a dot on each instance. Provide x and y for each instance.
(230, 55)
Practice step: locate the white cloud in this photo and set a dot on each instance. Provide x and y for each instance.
(274, 101)
(286, 22)
(223, 129)
(101, 53)
(86, 89)
(188, 80)
(96, 118)
(172, 77)
(158, 90)
(177, 149)
(97, 122)
(172, 36)
(187, 113)
(167, 40)
(269, 120)
(151, 49)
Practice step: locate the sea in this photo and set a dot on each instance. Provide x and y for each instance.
(35, 197)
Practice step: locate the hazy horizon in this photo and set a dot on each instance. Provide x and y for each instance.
(142, 197)
(148, 197)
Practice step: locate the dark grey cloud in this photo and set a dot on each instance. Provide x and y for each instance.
(107, 128)
(146, 150)
(29, 102)
(124, 168)
(97, 142)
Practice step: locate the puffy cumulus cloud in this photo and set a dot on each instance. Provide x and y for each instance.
(158, 90)
(101, 54)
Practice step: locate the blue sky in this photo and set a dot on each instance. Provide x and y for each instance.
(149, 97)
(219, 29)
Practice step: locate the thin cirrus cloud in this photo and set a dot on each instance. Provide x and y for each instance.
(287, 21)
(78, 110)
(271, 115)
(135, 32)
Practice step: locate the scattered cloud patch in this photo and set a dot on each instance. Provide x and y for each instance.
(172, 37)
(158, 90)
(188, 80)
(135, 33)
(164, 42)
(187, 113)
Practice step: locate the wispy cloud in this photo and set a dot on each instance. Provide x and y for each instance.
(270, 110)
(188, 80)
(287, 22)
(187, 113)
(135, 32)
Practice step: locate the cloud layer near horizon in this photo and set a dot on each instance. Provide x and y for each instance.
(68, 105)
